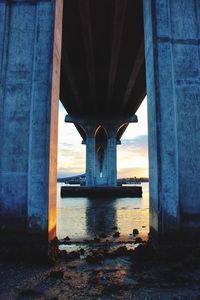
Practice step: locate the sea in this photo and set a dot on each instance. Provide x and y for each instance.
(83, 218)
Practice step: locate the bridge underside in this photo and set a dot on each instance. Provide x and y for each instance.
(102, 65)
(102, 60)
(102, 76)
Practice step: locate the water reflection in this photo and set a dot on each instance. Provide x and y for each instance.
(101, 216)
(86, 218)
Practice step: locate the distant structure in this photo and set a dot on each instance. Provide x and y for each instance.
(81, 179)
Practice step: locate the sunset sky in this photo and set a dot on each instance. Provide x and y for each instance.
(132, 154)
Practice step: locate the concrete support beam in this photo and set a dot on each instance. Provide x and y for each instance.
(90, 156)
(86, 26)
(134, 75)
(30, 51)
(101, 146)
(173, 88)
(101, 120)
(118, 25)
(101, 166)
(112, 156)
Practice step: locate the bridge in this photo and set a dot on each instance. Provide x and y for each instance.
(94, 57)
(102, 77)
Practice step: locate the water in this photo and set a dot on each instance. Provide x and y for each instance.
(84, 218)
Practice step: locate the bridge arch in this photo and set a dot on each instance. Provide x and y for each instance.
(101, 130)
(101, 141)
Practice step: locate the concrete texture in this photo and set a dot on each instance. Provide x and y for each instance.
(90, 155)
(29, 90)
(101, 137)
(173, 88)
(101, 159)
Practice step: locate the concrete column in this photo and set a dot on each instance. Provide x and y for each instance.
(105, 166)
(96, 139)
(112, 156)
(30, 45)
(101, 173)
(172, 31)
(97, 167)
(90, 155)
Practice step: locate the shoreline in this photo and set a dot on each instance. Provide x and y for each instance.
(107, 274)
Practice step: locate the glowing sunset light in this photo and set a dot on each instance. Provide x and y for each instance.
(132, 154)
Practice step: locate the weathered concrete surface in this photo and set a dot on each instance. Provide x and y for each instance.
(97, 175)
(101, 136)
(90, 155)
(173, 88)
(29, 89)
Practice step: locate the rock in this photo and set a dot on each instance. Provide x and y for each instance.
(130, 252)
(29, 293)
(73, 255)
(116, 234)
(55, 241)
(138, 240)
(62, 253)
(114, 228)
(95, 258)
(121, 251)
(135, 231)
(111, 255)
(82, 251)
(144, 253)
(96, 240)
(71, 267)
(102, 236)
(57, 274)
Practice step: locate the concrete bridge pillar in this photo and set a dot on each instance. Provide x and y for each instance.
(172, 71)
(90, 155)
(112, 156)
(100, 137)
(30, 45)
(106, 158)
(101, 166)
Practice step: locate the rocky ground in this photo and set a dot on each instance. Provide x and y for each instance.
(103, 271)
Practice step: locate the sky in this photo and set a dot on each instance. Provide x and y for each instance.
(132, 154)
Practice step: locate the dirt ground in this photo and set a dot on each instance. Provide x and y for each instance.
(101, 273)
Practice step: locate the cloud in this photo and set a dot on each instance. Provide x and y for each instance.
(139, 140)
(132, 172)
(137, 147)
(133, 157)
(132, 154)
